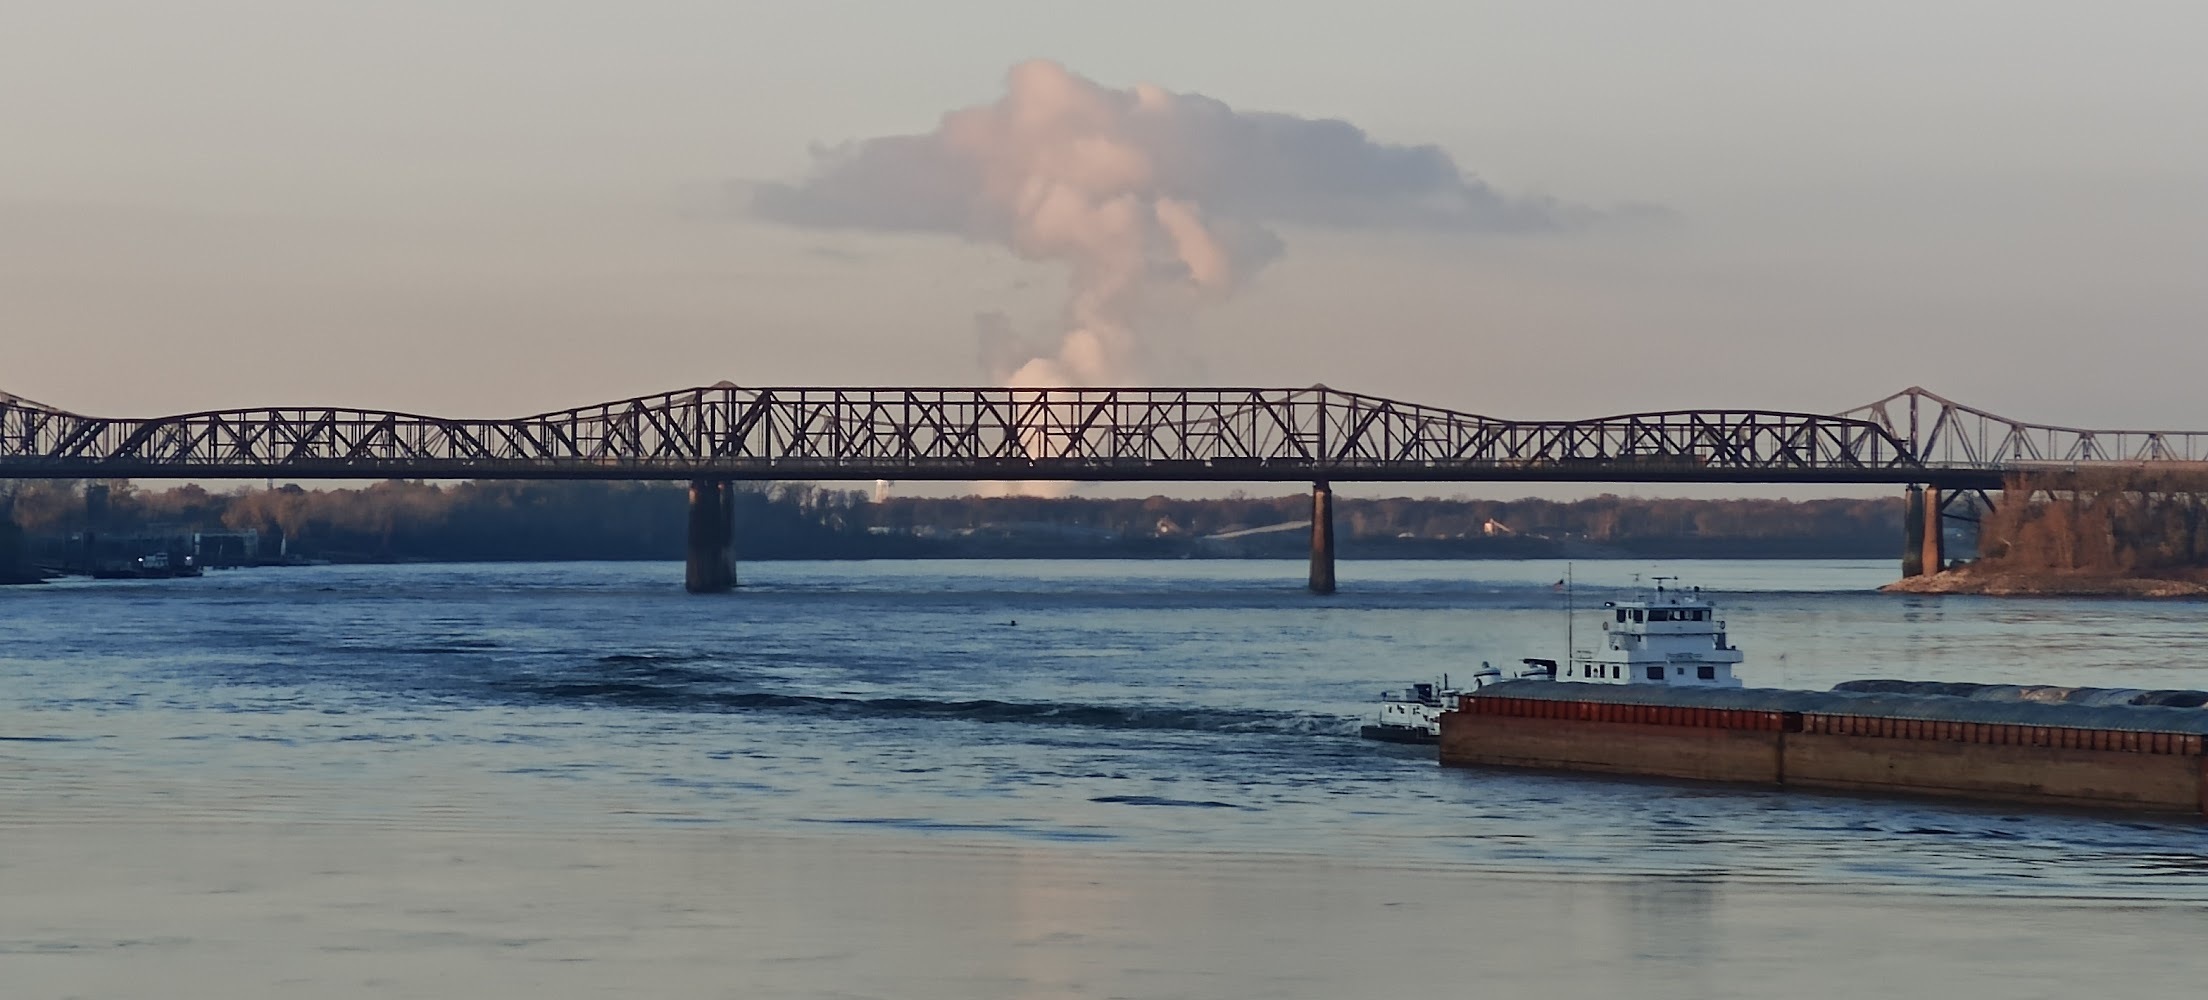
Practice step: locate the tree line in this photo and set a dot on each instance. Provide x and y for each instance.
(498, 520)
(2125, 523)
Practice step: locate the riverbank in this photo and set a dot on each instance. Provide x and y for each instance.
(1987, 583)
(411, 521)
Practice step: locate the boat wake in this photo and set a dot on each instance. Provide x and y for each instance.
(642, 694)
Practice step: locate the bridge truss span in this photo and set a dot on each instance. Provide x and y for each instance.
(858, 433)
(1952, 435)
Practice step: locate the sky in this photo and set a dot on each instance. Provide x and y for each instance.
(497, 207)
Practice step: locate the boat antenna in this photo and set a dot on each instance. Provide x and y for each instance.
(1569, 655)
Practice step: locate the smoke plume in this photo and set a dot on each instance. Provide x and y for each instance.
(1152, 200)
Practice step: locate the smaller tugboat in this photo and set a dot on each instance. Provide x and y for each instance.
(1412, 715)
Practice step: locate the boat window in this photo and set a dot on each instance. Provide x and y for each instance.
(1706, 673)
(1655, 673)
(1636, 616)
(1621, 614)
(1679, 671)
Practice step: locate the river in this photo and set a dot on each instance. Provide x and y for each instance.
(1118, 718)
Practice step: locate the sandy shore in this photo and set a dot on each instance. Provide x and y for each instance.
(199, 907)
(1967, 581)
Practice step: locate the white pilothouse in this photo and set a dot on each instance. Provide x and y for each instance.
(1672, 638)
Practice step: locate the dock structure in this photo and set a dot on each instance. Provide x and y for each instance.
(2144, 759)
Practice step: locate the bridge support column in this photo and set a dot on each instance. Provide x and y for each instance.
(1913, 520)
(711, 563)
(1322, 537)
(1934, 551)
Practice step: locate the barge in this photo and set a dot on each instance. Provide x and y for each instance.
(1658, 700)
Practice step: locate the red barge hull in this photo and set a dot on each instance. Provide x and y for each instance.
(2053, 757)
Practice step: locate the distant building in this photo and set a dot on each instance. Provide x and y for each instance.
(227, 548)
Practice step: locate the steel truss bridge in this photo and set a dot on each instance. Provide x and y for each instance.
(725, 432)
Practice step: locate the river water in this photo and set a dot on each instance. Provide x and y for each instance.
(1101, 707)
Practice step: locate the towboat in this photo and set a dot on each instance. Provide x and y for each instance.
(1673, 638)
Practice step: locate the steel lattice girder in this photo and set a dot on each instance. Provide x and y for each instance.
(858, 433)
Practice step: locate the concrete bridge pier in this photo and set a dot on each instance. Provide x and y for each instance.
(1912, 533)
(1934, 553)
(1924, 540)
(711, 560)
(1322, 537)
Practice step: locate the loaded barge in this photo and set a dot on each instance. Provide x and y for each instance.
(1659, 700)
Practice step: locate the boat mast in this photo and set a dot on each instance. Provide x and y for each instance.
(1570, 657)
